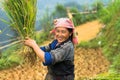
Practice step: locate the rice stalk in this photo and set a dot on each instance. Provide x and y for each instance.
(9, 40)
(15, 42)
(22, 16)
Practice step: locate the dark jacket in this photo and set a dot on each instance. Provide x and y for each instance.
(59, 58)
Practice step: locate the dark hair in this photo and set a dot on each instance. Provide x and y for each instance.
(70, 31)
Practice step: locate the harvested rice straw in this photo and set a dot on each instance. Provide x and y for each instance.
(22, 16)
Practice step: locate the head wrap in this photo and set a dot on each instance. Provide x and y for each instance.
(66, 23)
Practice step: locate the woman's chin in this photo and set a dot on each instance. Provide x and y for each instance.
(60, 41)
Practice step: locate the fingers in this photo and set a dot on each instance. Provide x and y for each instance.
(25, 40)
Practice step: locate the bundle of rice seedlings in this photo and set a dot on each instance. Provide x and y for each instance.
(22, 16)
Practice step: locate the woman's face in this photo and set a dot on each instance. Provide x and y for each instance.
(61, 34)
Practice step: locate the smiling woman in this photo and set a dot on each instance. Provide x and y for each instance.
(58, 56)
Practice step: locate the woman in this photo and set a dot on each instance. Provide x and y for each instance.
(58, 56)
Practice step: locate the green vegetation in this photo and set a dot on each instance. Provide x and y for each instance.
(90, 44)
(109, 39)
(112, 34)
(82, 18)
(20, 14)
(60, 11)
(108, 76)
(22, 17)
(11, 57)
(46, 24)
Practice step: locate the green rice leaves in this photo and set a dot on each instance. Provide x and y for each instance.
(22, 15)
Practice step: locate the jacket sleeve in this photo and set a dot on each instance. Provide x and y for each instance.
(45, 48)
(49, 47)
(48, 59)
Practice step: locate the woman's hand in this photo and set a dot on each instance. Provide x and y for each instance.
(29, 42)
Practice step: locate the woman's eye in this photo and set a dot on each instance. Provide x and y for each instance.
(57, 31)
(63, 31)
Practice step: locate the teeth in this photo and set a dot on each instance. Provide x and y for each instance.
(60, 38)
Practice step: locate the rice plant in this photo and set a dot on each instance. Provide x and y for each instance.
(22, 16)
